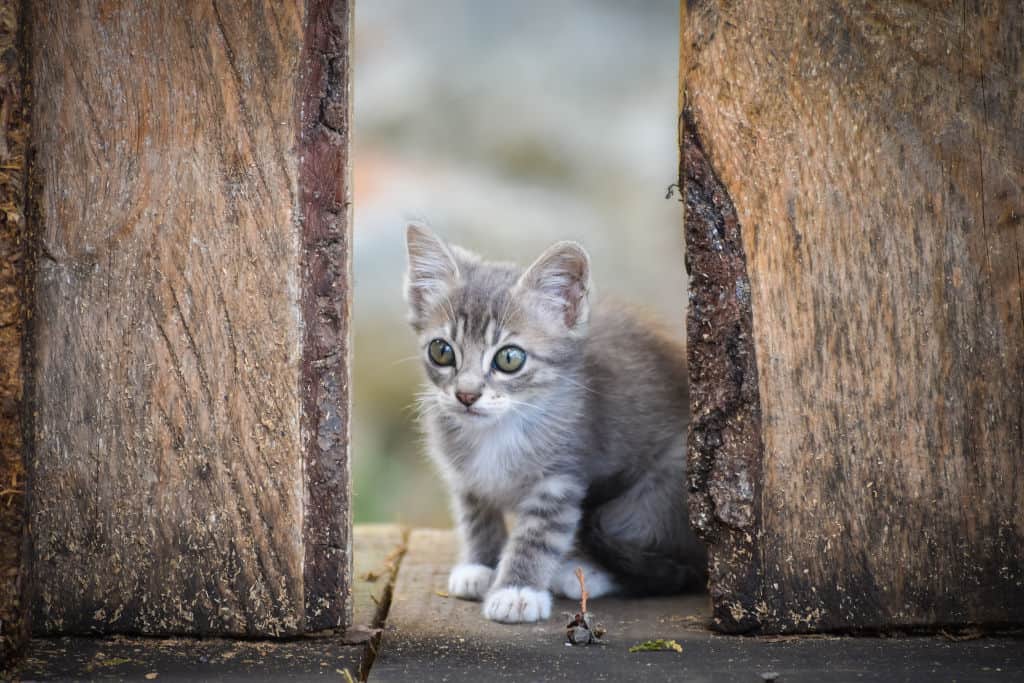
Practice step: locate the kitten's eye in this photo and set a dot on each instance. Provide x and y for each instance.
(441, 353)
(509, 359)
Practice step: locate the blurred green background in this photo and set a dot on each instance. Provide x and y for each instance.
(506, 126)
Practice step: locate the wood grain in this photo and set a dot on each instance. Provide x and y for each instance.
(175, 452)
(13, 261)
(326, 654)
(875, 159)
(430, 631)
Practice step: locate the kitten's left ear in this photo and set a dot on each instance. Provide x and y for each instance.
(561, 278)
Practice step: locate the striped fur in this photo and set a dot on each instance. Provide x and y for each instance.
(584, 446)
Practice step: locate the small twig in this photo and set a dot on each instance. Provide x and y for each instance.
(582, 630)
(583, 590)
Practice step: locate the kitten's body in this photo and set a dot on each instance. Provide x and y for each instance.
(585, 444)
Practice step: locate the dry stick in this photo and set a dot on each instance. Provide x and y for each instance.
(583, 590)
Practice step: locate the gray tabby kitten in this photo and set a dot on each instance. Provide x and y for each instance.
(573, 421)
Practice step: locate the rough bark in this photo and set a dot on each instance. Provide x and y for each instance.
(14, 132)
(190, 436)
(324, 195)
(874, 155)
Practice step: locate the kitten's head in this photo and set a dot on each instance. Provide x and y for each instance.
(495, 339)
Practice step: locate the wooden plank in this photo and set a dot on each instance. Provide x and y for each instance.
(428, 631)
(190, 469)
(435, 638)
(377, 551)
(438, 638)
(131, 658)
(13, 259)
(853, 183)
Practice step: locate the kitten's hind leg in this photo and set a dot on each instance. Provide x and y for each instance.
(599, 581)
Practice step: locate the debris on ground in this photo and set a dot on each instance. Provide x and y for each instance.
(656, 645)
(582, 630)
(958, 635)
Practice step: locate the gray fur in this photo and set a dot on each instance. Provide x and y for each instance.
(585, 445)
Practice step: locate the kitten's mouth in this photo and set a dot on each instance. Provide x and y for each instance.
(470, 411)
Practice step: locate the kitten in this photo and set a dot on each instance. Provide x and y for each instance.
(574, 422)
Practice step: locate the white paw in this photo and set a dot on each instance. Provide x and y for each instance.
(513, 605)
(599, 582)
(469, 581)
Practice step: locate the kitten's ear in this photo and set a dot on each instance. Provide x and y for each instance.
(432, 270)
(561, 279)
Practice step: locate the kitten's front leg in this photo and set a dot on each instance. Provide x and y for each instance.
(482, 534)
(545, 528)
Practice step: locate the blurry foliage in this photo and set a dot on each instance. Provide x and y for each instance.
(507, 126)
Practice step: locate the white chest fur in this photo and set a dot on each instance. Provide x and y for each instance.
(497, 461)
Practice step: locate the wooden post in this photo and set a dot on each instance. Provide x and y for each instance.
(189, 469)
(853, 180)
(14, 131)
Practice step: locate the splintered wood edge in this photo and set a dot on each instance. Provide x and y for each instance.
(13, 532)
(724, 441)
(379, 550)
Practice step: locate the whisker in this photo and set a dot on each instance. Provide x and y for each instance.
(518, 402)
(563, 423)
(419, 406)
(572, 381)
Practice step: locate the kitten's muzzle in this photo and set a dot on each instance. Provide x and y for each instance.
(467, 398)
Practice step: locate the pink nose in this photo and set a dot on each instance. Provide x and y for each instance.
(466, 398)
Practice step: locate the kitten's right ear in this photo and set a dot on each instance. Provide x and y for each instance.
(560, 283)
(431, 273)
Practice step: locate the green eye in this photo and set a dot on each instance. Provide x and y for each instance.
(509, 359)
(441, 352)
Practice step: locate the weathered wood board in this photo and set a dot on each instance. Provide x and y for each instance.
(14, 132)
(432, 636)
(189, 468)
(854, 184)
(377, 551)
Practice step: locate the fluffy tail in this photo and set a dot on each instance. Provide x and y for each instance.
(641, 570)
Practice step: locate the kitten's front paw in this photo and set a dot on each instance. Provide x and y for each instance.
(513, 605)
(469, 581)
